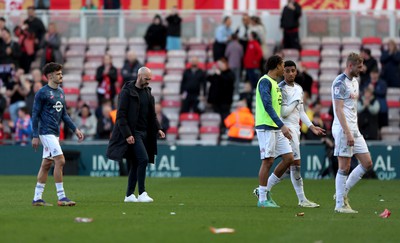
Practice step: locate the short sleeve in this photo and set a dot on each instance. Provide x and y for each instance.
(339, 91)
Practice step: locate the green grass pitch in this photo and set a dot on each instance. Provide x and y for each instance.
(198, 203)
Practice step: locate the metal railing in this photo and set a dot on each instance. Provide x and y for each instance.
(202, 23)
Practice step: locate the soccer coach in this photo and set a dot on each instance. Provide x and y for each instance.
(134, 136)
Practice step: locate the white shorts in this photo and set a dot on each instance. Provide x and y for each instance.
(341, 147)
(51, 146)
(295, 142)
(272, 143)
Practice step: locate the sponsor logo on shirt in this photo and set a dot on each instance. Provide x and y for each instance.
(337, 90)
(58, 106)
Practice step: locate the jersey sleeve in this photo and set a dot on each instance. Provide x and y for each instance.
(37, 107)
(339, 90)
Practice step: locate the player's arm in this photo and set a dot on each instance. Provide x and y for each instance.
(265, 94)
(304, 118)
(36, 109)
(338, 98)
(286, 110)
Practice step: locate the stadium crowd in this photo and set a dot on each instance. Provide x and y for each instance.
(222, 82)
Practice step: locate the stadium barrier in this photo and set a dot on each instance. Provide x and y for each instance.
(190, 161)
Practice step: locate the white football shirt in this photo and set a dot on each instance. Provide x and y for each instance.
(347, 90)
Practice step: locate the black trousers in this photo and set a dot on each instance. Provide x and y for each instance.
(190, 103)
(291, 40)
(138, 159)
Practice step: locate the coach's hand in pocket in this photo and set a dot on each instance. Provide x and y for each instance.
(130, 140)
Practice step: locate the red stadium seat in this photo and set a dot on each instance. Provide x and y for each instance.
(371, 40)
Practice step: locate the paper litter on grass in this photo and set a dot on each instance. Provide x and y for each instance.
(385, 214)
(83, 220)
(222, 230)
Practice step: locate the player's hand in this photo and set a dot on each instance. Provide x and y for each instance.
(286, 132)
(161, 134)
(79, 134)
(35, 143)
(317, 130)
(130, 140)
(350, 139)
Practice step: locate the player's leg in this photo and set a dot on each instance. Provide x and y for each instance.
(132, 180)
(142, 158)
(362, 154)
(344, 153)
(63, 200)
(41, 183)
(266, 140)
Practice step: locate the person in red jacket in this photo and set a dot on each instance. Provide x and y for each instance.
(252, 59)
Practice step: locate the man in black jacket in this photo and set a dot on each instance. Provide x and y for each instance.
(134, 136)
(193, 81)
(290, 25)
(174, 30)
(35, 25)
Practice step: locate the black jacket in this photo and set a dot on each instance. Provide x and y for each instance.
(290, 18)
(221, 88)
(36, 26)
(127, 116)
(156, 37)
(13, 57)
(129, 70)
(174, 25)
(193, 82)
(112, 75)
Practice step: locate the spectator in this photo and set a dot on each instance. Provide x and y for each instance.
(104, 123)
(379, 89)
(86, 122)
(252, 59)
(305, 81)
(22, 127)
(368, 110)
(240, 123)
(16, 91)
(222, 36)
(35, 25)
(369, 64)
(243, 31)
(89, 5)
(37, 76)
(162, 118)
(247, 94)
(257, 27)
(234, 54)
(131, 67)
(390, 60)
(26, 40)
(106, 76)
(51, 45)
(42, 4)
(30, 97)
(220, 94)
(111, 4)
(156, 34)
(10, 51)
(193, 87)
(2, 24)
(99, 110)
(314, 114)
(290, 25)
(3, 106)
(174, 30)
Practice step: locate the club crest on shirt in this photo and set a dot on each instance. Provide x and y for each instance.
(58, 106)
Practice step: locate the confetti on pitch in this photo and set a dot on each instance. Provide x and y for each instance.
(385, 214)
(83, 220)
(299, 214)
(172, 213)
(221, 230)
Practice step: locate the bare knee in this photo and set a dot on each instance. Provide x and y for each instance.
(46, 164)
(59, 161)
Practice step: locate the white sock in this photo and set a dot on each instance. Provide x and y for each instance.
(272, 181)
(60, 190)
(39, 189)
(297, 182)
(340, 182)
(262, 193)
(354, 177)
(285, 175)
